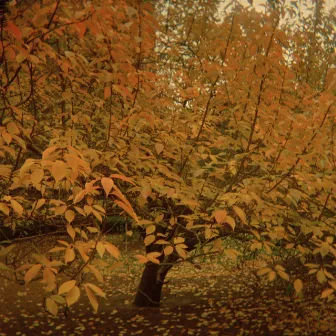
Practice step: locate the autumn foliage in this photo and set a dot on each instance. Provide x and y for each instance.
(196, 128)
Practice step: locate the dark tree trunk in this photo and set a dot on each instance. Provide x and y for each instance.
(150, 287)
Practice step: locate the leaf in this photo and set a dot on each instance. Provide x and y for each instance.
(142, 259)
(100, 249)
(271, 276)
(321, 278)
(149, 240)
(72, 296)
(58, 170)
(113, 250)
(327, 292)
(3, 267)
(51, 307)
(263, 271)
(230, 221)
(92, 298)
(71, 231)
(107, 184)
(96, 289)
(150, 229)
(69, 255)
(324, 249)
(127, 209)
(159, 148)
(17, 207)
(66, 286)
(37, 176)
(152, 256)
(168, 250)
(4, 208)
(181, 252)
(15, 30)
(298, 286)
(220, 216)
(69, 216)
(96, 273)
(240, 213)
(31, 273)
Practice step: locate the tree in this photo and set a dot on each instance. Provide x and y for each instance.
(196, 128)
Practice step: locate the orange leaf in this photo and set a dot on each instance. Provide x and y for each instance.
(107, 184)
(159, 148)
(220, 216)
(127, 209)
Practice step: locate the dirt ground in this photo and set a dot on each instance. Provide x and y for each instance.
(218, 299)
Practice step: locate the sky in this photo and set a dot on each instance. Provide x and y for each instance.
(256, 3)
(329, 3)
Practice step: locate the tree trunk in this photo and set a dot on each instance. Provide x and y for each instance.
(150, 287)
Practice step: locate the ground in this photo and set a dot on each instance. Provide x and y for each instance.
(218, 299)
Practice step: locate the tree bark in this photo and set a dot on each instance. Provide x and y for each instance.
(150, 287)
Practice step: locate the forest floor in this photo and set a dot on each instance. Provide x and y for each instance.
(218, 299)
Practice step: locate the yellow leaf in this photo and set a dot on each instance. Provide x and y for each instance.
(60, 210)
(327, 292)
(271, 276)
(220, 216)
(51, 307)
(31, 273)
(40, 203)
(37, 176)
(92, 298)
(149, 240)
(71, 231)
(178, 240)
(181, 252)
(58, 170)
(230, 221)
(333, 284)
(69, 216)
(298, 286)
(107, 184)
(96, 289)
(240, 213)
(324, 249)
(283, 275)
(168, 250)
(159, 148)
(69, 255)
(264, 271)
(96, 273)
(66, 286)
(321, 278)
(4, 208)
(100, 249)
(72, 296)
(17, 207)
(150, 229)
(113, 250)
